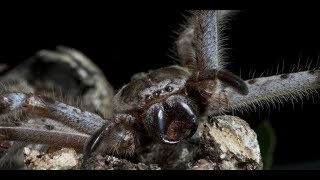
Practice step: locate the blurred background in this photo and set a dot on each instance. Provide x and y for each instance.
(123, 41)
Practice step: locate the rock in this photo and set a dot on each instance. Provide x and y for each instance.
(99, 162)
(230, 143)
(221, 143)
(203, 164)
(64, 159)
(177, 156)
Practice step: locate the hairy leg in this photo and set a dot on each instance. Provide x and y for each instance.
(197, 45)
(198, 48)
(274, 89)
(53, 138)
(118, 137)
(41, 106)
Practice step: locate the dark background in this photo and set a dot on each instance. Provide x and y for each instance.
(124, 41)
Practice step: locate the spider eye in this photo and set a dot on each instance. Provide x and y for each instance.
(169, 89)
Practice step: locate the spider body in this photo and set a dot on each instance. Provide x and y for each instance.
(150, 97)
(166, 103)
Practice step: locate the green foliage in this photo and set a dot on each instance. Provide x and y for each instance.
(267, 142)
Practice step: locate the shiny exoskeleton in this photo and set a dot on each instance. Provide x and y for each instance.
(166, 103)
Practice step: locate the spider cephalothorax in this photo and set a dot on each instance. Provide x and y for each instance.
(166, 103)
(169, 101)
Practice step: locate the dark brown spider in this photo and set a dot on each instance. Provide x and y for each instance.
(165, 103)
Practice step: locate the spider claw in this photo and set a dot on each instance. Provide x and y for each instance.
(234, 81)
(92, 144)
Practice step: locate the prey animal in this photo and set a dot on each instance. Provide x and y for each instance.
(165, 103)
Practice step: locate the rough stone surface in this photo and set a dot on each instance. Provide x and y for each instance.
(99, 162)
(203, 164)
(63, 159)
(229, 141)
(179, 156)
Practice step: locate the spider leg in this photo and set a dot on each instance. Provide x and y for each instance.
(117, 137)
(198, 48)
(275, 89)
(198, 45)
(94, 142)
(41, 106)
(210, 89)
(53, 138)
(233, 81)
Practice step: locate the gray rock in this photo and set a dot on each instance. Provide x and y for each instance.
(230, 143)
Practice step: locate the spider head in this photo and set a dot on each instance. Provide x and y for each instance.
(173, 119)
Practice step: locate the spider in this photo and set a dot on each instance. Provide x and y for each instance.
(165, 103)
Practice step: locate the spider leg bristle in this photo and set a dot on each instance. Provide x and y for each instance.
(277, 90)
(282, 68)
